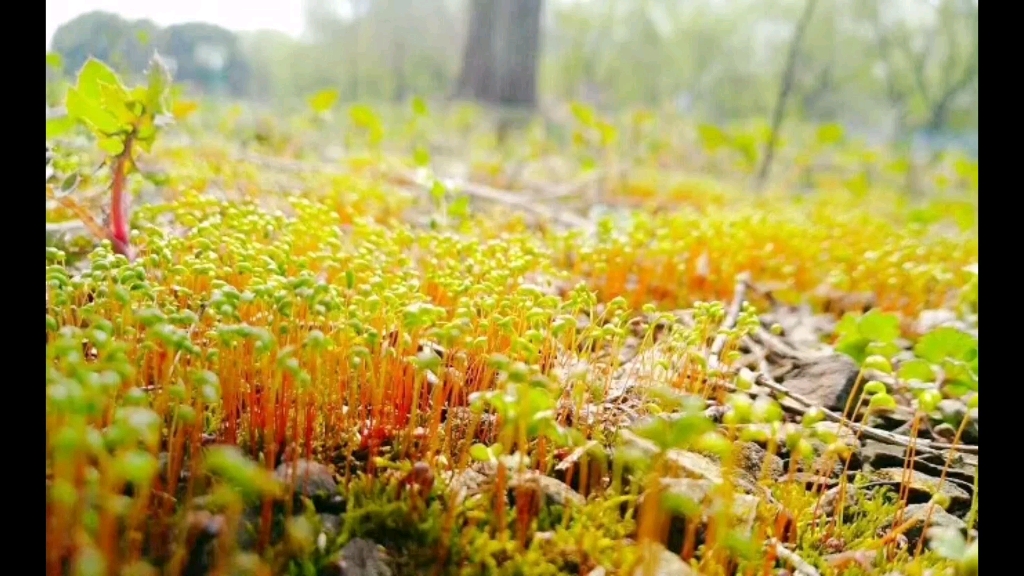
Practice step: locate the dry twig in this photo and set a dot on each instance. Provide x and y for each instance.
(731, 317)
(798, 564)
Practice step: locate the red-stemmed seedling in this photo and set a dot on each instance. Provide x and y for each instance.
(122, 120)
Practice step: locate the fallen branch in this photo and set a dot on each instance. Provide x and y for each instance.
(526, 204)
(523, 202)
(919, 444)
(762, 378)
(798, 564)
(731, 317)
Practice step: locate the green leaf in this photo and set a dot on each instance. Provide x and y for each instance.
(146, 144)
(69, 183)
(112, 145)
(884, 349)
(158, 78)
(608, 133)
(480, 453)
(419, 106)
(54, 60)
(89, 112)
(92, 75)
(421, 156)
(947, 342)
(56, 127)
(323, 100)
(583, 113)
(847, 326)
(656, 430)
(182, 109)
(364, 116)
(916, 369)
(879, 327)
(438, 190)
(459, 208)
(854, 347)
(116, 101)
(711, 137)
(960, 373)
(830, 134)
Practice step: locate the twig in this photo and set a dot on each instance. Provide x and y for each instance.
(765, 380)
(731, 317)
(569, 189)
(919, 444)
(527, 204)
(800, 565)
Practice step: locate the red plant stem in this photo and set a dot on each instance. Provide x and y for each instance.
(119, 200)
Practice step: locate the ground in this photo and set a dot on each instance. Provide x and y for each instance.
(559, 353)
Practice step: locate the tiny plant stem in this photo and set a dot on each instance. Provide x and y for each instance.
(905, 480)
(942, 479)
(119, 234)
(972, 515)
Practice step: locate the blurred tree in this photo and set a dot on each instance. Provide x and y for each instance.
(383, 49)
(501, 53)
(208, 56)
(928, 61)
(120, 43)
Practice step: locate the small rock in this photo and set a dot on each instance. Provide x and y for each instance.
(877, 455)
(929, 320)
(694, 465)
(552, 488)
(330, 524)
(922, 487)
(938, 518)
(248, 528)
(826, 381)
(361, 557)
(829, 504)
(311, 480)
(700, 492)
(890, 421)
(811, 481)
(753, 459)
(953, 412)
(944, 432)
(201, 534)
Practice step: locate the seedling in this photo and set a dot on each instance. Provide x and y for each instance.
(122, 120)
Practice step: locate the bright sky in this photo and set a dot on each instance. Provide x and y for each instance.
(283, 15)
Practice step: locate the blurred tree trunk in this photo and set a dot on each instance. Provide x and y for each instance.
(500, 60)
(518, 52)
(477, 81)
(785, 87)
(401, 82)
